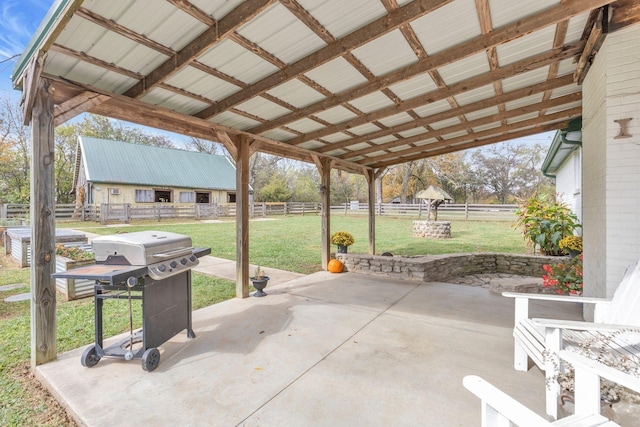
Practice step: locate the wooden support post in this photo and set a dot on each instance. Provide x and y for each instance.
(324, 167)
(242, 217)
(371, 181)
(43, 258)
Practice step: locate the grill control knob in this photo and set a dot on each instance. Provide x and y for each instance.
(192, 258)
(162, 268)
(183, 261)
(173, 264)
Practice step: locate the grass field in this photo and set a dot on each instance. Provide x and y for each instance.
(291, 243)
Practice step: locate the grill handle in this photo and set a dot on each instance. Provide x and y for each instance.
(174, 253)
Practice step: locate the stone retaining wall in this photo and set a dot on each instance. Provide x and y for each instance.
(440, 268)
(432, 229)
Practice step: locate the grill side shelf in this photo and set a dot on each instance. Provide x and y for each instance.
(113, 274)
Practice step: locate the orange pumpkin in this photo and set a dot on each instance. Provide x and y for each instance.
(335, 266)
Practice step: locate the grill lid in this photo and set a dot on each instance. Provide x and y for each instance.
(142, 247)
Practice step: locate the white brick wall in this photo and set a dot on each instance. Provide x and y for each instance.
(611, 178)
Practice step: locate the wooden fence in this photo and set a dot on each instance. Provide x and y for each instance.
(127, 212)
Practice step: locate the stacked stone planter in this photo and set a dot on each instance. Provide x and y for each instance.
(432, 229)
(440, 268)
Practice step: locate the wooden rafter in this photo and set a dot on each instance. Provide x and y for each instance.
(227, 25)
(351, 41)
(468, 126)
(481, 80)
(76, 106)
(593, 44)
(559, 116)
(472, 144)
(478, 44)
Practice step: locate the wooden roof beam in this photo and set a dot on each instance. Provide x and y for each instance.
(522, 66)
(351, 41)
(242, 14)
(479, 105)
(468, 126)
(481, 43)
(374, 162)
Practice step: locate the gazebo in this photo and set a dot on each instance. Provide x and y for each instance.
(353, 85)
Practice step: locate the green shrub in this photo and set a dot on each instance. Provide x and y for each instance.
(545, 221)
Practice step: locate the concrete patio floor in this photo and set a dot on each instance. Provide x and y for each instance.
(320, 350)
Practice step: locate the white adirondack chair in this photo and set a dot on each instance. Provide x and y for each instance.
(534, 338)
(500, 409)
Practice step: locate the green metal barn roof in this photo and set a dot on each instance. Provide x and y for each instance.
(127, 163)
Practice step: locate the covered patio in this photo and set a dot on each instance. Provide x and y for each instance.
(322, 350)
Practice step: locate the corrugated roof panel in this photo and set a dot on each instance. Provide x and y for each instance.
(565, 90)
(279, 32)
(486, 127)
(342, 17)
(522, 118)
(475, 95)
(432, 108)
(374, 154)
(360, 146)
(296, 93)
(446, 123)
(305, 125)
(336, 115)
(504, 12)
(399, 148)
(576, 27)
(413, 132)
(372, 102)
(566, 66)
(564, 107)
(523, 102)
(83, 72)
(465, 68)
(152, 18)
(384, 139)
(216, 8)
(336, 137)
(447, 26)
(337, 152)
(396, 119)
(119, 162)
(416, 86)
(526, 46)
(234, 120)
(262, 107)
(279, 134)
(529, 78)
(364, 129)
(196, 81)
(234, 60)
(336, 76)
(311, 145)
(386, 53)
(478, 114)
(173, 101)
(454, 134)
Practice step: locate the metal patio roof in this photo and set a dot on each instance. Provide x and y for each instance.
(368, 83)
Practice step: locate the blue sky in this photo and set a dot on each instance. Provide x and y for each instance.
(19, 19)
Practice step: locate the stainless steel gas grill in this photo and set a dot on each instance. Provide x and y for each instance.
(151, 266)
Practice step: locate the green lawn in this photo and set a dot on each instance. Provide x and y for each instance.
(293, 243)
(288, 243)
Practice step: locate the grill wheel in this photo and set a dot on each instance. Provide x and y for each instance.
(150, 359)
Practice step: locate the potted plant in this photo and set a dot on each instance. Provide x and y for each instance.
(69, 258)
(572, 245)
(259, 281)
(343, 240)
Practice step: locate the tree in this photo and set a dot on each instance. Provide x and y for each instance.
(14, 152)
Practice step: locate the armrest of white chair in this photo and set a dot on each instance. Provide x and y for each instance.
(559, 298)
(583, 363)
(582, 326)
(497, 406)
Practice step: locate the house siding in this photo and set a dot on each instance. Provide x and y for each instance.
(101, 193)
(611, 183)
(569, 183)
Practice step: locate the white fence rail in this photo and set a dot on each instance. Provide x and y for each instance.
(127, 212)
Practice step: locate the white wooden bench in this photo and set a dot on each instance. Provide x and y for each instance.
(616, 320)
(500, 409)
